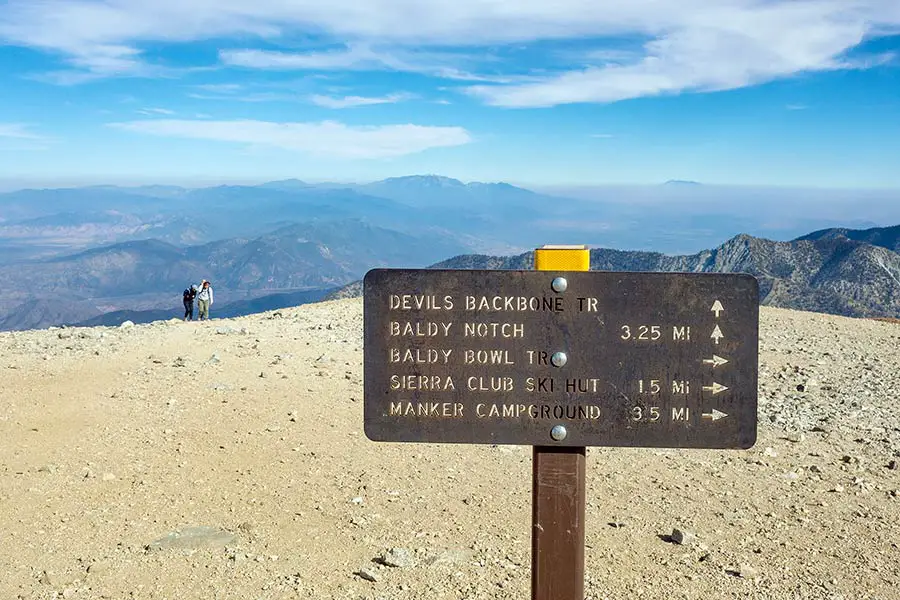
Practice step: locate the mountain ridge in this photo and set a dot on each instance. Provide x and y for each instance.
(834, 275)
(886, 237)
(255, 239)
(146, 274)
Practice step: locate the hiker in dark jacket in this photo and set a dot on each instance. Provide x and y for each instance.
(188, 295)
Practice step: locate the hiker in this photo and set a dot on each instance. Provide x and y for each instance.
(188, 296)
(204, 300)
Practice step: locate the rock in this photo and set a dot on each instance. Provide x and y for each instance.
(64, 334)
(108, 477)
(453, 556)
(225, 330)
(367, 574)
(796, 436)
(396, 557)
(127, 325)
(99, 567)
(51, 579)
(193, 538)
(748, 572)
(770, 452)
(48, 469)
(236, 556)
(892, 465)
(68, 593)
(214, 360)
(682, 537)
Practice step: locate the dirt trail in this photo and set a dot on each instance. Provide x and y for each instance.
(252, 427)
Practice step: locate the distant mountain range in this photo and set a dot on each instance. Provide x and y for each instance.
(488, 218)
(72, 255)
(839, 271)
(149, 275)
(57, 221)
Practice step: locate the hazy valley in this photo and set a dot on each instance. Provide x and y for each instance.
(107, 254)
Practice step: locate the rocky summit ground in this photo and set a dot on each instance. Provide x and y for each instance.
(227, 459)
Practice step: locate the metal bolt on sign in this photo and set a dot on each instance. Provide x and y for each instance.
(558, 433)
(559, 359)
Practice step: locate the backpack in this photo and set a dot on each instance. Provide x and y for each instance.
(188, 295)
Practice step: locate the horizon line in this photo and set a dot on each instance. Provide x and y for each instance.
(11, 185)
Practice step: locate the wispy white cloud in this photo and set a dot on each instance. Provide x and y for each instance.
(275, 92)
(220, 88)
(18, 131)
(602, 135)
(690, 45)
(20, 137)
(796, 107)
(727, 48)
(279, 91)
(354, 57)
(249, 97)
(156, 111)
(364, 57)
(353, 101)
(327, 138)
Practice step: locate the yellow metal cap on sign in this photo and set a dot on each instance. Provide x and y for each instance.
(562, 258)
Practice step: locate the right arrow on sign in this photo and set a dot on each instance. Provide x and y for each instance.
(715, 388)
(715, 415)
(717, 334)
(715, 361)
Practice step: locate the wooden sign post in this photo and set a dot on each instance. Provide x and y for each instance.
(561, 358)
(558, 485)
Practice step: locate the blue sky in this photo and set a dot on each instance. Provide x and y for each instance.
(576, 92)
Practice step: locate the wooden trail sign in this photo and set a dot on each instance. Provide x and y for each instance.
(561, 358)
(616, 359)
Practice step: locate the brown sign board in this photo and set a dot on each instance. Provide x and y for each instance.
(664, 360)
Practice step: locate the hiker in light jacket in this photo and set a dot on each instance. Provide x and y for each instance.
(204, 300)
